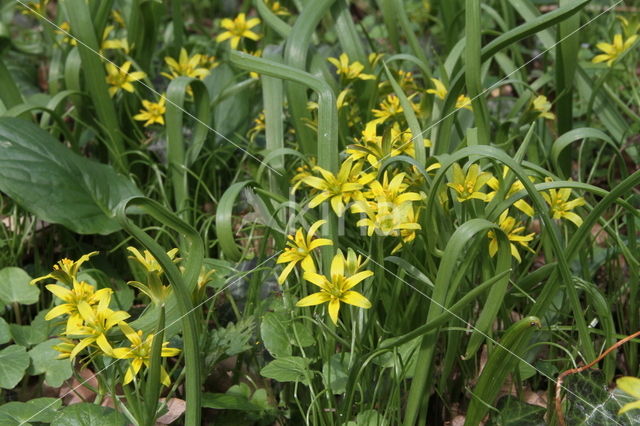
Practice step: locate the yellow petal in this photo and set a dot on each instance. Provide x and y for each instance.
(334, 309)
(285, 272)
(56, 311)
(62, 292)
(314, 299)
(356, 299)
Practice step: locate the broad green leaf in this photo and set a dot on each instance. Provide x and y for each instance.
(5, 332)
(590, 403)
(273, 331)
(56, 184)
(369, 418)
(15, 288)
(336, 372)
(13, 363)
(513, 412)
(237, 397)
(288, 369)
(87, 414)
(222, 401)
(37, 410)
(32, 334)
(43, 360)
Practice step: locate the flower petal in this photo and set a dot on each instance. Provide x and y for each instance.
(314, 299)
(356, 299)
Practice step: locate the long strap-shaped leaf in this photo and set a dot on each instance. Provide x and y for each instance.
(182, 284)
(443, 293)
(512, 36)
(180, 157)
(501, 362)
(541, 208)
(83, 29)
(295, 56)
(327, 146)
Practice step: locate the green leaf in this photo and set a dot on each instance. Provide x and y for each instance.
(502, 361)
(513, 412)
(336, 372)
(86, 414)
(32, 334)
(288, 369)
(5, 332)
(590, 403)
(228, 341)
(369, 418)
(36, 410)
(13, 363)
(56, 184)
(273, 331)
(238, 397)
(43, 360)
(15, 288)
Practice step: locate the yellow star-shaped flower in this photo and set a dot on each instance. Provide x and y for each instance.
(336, 289)
(237, 29)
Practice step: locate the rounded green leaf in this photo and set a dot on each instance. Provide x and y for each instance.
(44, 361)
(56, 184)
(15, 288)
(13, 363)
(86, 414)
(37, 410)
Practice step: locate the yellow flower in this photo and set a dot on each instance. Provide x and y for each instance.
(65, 348)
(80, 292)
(349, 71)
(512, 228)
(140, 353)
(336, 289)
(393, 191)
(630, 27)
(64, 29)
(440, 90)
(186, 65)
(630, 385)
(153, 112)
(257, 54)
(277, 8)
(98, 320)
(302, 172)
(148, 261)
(352, 263)
(389, 108)
(543, 107)
(113, 43)
(388, 219)
(372, 148)
(121, 78)
(463, 101)
(208, 62)
(238, 29)
(66, 270)
(259, 126)
(468, 186)
(521, 205)
(153, 287)
(339, 188)
(612, 51)
(560, 206)
(117, 16)
(35, 8)
(299, 250)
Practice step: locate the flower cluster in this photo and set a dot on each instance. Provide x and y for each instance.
(90, 321)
